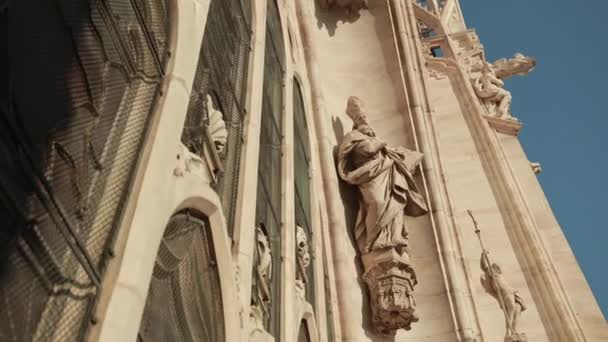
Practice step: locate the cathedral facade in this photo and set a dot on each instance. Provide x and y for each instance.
(272, 170)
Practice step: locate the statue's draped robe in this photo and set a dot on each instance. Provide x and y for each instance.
(388, 191)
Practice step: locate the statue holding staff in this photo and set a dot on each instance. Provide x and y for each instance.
(495, 284)
(387, 194)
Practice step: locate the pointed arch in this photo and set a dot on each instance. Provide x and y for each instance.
(269, 186)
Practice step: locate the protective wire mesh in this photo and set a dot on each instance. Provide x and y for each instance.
(184, 300)
(328, 300)
(268, 204)
(85, 77)
(303, 334)
(222, 73)
(302, 181)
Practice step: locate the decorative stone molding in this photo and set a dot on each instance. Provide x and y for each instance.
(352, 7)
(258, 333)
(509, 126)
(436, 74)
(383, 175)
(303, 260)
(536, 167)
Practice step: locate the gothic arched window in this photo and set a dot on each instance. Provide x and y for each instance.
(302, 200)
(85, 80)
(221, 82)
(268, 204)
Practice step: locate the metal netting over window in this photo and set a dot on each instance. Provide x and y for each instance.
(302, 176)
(328, 302)
(222, 74)
(268, 204)
(85, 79)
(303, 334)
(184, 301)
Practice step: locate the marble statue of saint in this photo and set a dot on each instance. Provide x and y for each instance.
(508, 298)
(387, 189)
(491, 89)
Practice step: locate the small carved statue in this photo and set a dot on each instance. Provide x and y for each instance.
(303, 257)
(261, 295)
(387, 194)
(491, 90)
(510, 301)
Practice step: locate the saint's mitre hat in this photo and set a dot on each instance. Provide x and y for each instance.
(354, 108)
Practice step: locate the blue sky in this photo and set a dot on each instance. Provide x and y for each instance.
(563, 105)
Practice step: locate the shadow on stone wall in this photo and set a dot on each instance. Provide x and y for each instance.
(330, 17)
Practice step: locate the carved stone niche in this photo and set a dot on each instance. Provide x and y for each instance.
(390, 280)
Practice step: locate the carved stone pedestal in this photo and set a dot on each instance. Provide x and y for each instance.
(506, 126)
(521, 337)
(390, 281)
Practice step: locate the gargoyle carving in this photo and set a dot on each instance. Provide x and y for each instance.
(519, 65)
